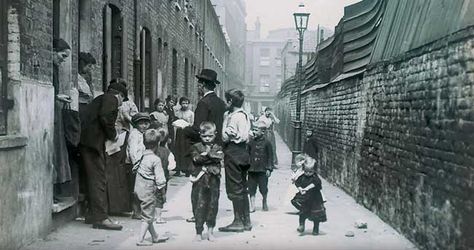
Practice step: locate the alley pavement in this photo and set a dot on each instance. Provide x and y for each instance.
(275, 229)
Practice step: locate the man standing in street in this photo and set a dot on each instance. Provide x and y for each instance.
(210, 108)
(97, 126)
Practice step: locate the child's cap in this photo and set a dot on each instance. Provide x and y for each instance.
(142, 116)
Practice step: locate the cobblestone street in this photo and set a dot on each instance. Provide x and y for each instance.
(275, 229)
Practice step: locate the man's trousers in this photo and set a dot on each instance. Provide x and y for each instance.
(94, 163)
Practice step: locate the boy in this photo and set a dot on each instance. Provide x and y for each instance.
(168, 163)
(149, 183)
(309, 200)
(207, 157)
(135, 150)
(261, 164)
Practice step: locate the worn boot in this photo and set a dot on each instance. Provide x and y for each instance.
(252, 204)
(236, 225)
(264, 203)
(246, 215)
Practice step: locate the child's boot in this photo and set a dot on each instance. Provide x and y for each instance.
(316, 228)
(252, 204)
(264, 203)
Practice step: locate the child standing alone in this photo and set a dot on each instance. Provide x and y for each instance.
(261, 164)
(207, 157)
(308, 200)
(149, 183)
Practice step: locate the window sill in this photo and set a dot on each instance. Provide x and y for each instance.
(13, 141)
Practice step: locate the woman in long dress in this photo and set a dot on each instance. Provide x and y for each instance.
(182, 144)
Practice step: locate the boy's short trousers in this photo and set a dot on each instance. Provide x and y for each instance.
(257, 179)
(146, 192)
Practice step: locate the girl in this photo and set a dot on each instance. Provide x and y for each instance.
(182, 144)
(159, 116)
(308, 200)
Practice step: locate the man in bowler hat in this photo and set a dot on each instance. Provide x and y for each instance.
(97, 126)
(210, 108)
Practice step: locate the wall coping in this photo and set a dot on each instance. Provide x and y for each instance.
(12, 141)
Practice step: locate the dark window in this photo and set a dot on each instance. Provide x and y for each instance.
(3, 66)
(174, 73)
(112, 44)
(144, 90)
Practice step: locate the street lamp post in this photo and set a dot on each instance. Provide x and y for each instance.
(301, 22)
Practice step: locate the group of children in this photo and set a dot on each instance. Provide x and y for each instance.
(152, 162)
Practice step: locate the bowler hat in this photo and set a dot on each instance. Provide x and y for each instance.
(208, 75)
(120, 87)
(139, 117)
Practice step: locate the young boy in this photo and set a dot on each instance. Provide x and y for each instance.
(149, 183)
(261, 164)
(168, 163)
(207, 157)
(135, 150)
(309, 200)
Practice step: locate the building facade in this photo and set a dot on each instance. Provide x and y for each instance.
(271, 60)
(157, 46)
(232, 15)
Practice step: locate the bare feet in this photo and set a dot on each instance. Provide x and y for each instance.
(144, 243)
(198, 238)
(211, 237)
(160, 239)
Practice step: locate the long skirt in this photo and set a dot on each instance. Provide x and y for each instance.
(119, 176)
(182, 152)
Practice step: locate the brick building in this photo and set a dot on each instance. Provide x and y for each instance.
(158, 46)
(232, 15)
(390, 99)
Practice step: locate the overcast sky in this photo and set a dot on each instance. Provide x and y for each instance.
(276, 14)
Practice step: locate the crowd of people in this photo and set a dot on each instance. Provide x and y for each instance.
(124, 151)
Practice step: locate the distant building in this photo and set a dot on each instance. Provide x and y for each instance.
(289, 54)
(232, 15)
(270, 61)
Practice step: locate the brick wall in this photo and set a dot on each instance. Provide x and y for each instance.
(400, 140)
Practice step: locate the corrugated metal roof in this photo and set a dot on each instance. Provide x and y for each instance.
(409, 24)
(360, 26)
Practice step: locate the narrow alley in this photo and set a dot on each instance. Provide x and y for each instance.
(275, 229)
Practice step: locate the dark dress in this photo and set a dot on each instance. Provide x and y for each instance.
(310, 204)
(310, 147)
(118, 175)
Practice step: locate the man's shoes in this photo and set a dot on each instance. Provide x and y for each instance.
(191, 220)
(177, 174)
(107, 224)
(300, 229)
